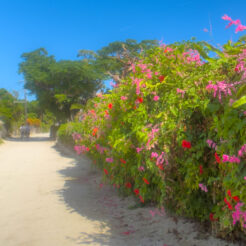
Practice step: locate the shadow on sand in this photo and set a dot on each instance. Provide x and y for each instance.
(83, 193)
(30, 139)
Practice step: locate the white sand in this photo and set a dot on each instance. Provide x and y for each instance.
(50, 198)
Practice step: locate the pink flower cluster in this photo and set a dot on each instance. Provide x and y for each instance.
(221, 87)
(231, 159)
(100, 149)
(141, 169)
(137, 82)
(156, 98)
(80, 149)
(76, 136)
(146, 70)
(237, 22)
(182, 92)
(237, 215)
(109, 160)
(241, 66)
(192, 56)
(154, 155)
(123, 98)
(161, 158)
(242, 150)
(203, 187)
(211, 144)
(151, 137)
(139, 149)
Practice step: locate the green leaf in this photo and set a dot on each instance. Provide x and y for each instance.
(239, 102)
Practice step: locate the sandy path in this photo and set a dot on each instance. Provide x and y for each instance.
(51, 198)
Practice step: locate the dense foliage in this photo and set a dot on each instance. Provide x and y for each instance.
(60, 86)
(172, 133)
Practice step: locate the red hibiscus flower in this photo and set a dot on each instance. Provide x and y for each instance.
(140, 99)
(211, 217)
(110, 106)
(136, 191)
(217, 158)
(145, 181)
(161, 78)
(201, 170)
(122, 161)
(105, 171)
(141, 199)
(94, 131)
(236, 198)
(186, 144)
(128, 185)
(228, 204)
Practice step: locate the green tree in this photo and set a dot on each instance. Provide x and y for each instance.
(10, 111)
(59, 85)
(114, 60)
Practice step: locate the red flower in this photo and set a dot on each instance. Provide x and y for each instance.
(229, 193)
(106, 171)
(129, 185)
(106, 112)
(141, 199)
(186, 144)
(110, 106)
(87, 149)
(217, 158)
(136, 191)
(160, 166)
(122, 161)
(201, 170)
(145, 181)
(228, 204)
(161, 78)
(94, 131)
(140, 99)
(211, 217)
(236, 198)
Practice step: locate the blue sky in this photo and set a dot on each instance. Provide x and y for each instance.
(65, 26)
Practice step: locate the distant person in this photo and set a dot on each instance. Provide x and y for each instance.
(27, 130)
(22, 131)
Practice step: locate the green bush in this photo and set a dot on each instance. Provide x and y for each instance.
(170, 133)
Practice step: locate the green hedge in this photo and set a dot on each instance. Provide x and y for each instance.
(169, 132)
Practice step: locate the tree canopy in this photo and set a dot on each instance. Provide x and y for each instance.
(59, 85)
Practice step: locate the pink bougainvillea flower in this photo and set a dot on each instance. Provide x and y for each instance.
(245, 178)
(156, 98)
(240, 28)
(145, 181)
(161, 78)
(186, 144)
(141, 168)
(154, 155)
(105, 171)
(139, 149)
(123, 98)
(109, 160)
(110, 105)
(203, 187)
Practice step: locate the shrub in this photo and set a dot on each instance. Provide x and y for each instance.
(169, 133)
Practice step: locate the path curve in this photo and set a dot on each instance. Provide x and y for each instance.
(49, 197)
